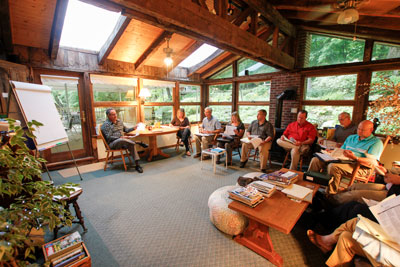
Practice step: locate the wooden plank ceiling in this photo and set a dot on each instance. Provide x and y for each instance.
(259, 29)
(31, 22)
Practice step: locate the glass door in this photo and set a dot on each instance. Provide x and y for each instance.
(65, 92)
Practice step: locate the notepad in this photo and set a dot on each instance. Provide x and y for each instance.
(299, 192)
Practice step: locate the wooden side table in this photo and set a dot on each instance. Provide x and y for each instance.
(73, 199)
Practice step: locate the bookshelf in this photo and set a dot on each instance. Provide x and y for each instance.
(67, 251)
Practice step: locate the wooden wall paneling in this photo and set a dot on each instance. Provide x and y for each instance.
(254, 23)
(190, 20)
(114, 37)
(56, 28)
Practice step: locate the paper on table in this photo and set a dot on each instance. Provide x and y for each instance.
(133, 136)
(387, 212)
(230, 130)
(141, 126)
(299, 192)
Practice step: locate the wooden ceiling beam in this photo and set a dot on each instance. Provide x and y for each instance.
(5, 27)
(220, 7)
(56, 28)
(112, 40)
(331, 18)
(217, 67)
(242, 17)
(348, 31)
(152, 49)
(194, 22)
(268, 11)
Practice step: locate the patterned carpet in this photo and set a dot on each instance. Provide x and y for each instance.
(160, 218)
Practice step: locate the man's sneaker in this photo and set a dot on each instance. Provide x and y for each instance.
(242, 164)
(196, 155)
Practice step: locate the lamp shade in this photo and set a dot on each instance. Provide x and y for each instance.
(144, 92)
(348, 16)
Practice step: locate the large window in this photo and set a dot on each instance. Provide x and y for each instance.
(326, 116)
(224, 73)
(253, 96)
(162, 114)
(115, 92)
(222, 113)
(327, 50)
(190, 101)
(249, 113)
(220, 93)
(340, 87)
(126, 114)
(257, 91)
(385, 51)
(250, 67)
(380, 77)
(160, 92)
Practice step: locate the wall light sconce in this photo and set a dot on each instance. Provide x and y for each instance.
(144, 92)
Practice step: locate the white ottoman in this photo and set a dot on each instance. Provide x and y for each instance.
(226, 220)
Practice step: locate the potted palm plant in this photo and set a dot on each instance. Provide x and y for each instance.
(26, 202)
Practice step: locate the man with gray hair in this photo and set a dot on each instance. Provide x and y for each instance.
(113, 130)
(208, 129)
(345, 129)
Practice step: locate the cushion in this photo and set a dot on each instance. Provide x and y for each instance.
(226, 220)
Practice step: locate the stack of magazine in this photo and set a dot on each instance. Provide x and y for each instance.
(281, 179)
(266, 189)
(65, 251)
(248, 195)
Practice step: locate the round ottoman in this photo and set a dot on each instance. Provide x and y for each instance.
(226, 220)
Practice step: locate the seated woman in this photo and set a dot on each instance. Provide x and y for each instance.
(230, 142)
(184, 128)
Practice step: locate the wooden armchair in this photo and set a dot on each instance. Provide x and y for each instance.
(364, 179)
(111, 151)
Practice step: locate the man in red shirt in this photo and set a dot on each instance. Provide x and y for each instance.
(298, 137)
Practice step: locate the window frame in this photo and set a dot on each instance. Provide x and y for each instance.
(183, 104)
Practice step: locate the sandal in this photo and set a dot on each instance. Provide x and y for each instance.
(312, 236)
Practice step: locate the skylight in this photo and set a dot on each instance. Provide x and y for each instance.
(87, 26)
(198, 56)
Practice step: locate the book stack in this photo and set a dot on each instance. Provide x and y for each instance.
(248, 195)
(266, 189)
(215, 150)
(67, 251)
(281, 179)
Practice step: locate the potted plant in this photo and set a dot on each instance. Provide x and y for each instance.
(26, 201)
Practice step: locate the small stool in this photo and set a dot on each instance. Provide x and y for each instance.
(73, 199)
(214, 155)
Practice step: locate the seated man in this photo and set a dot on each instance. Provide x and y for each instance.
(341, 240)
(302, 134)
(374, 191)
(265, 131)
(356, 147)
(113, 130)
(345, 129)
(209, 126)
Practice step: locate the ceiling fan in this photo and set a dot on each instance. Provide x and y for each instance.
(349, 12)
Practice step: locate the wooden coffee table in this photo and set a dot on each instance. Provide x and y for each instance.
(278, 212)
(153, 149)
